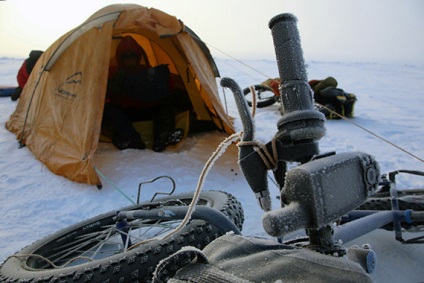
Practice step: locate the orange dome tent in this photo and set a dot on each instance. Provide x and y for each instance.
(59, 114)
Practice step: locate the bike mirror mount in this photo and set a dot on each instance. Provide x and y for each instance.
(301, 126)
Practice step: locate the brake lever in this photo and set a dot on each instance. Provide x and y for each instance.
(251, 164)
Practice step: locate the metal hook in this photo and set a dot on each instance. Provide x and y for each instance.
(158, 193)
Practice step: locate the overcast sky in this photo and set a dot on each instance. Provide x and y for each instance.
(353, 30)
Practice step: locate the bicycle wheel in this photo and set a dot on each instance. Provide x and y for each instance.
(265, 96)
(410, 199)
(413, 199)
(95, 250)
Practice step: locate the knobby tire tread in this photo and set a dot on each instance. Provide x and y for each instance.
(384, 203)
(135, 265)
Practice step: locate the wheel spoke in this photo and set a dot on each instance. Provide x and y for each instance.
(105, 242)
(72, 249)
(87, 249)
(101, 245)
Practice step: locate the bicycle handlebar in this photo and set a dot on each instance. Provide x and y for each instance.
(300, 127)
(324, 187)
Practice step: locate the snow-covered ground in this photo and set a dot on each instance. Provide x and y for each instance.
(34, 202)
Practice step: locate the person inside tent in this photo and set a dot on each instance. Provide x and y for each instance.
(24, 72)
(136, 92)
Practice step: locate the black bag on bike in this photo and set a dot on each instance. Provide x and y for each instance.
(237, 259)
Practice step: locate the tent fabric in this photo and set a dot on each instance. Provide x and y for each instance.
(58, 116)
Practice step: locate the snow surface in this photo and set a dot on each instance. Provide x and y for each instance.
(34, 202)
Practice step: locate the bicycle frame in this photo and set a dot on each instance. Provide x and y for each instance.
(354, 220)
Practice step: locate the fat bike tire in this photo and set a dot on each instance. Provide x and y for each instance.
(266, 96)
(413, 199)
(131, 265)
(407, 199)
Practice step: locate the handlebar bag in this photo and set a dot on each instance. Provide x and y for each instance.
(234, 258)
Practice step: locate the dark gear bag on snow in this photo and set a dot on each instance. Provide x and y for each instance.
(237, 259)
(331, 100)
(148, 85)
(337, 100)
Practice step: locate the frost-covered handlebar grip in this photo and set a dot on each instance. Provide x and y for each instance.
(295, 92)
(301, 125)
(288, 51)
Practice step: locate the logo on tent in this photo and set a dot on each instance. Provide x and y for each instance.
(68, 89)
